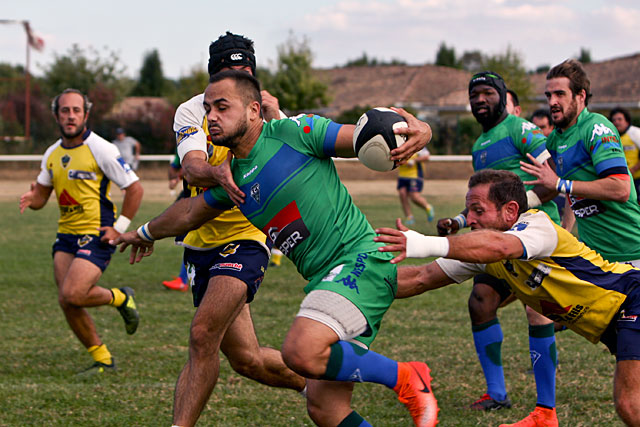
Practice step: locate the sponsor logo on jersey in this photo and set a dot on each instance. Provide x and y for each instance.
(253, 169)
(482, 144)
(527, 126)
(508, 265)
(586, 208)
(185, 132)
(483, 158)
(287, 229)
(333, 273)
(356, 376)
(519, 226)
(64, 160)
(68, 205)
(358, 270)
(600, 129)
(85, 252)
(537, 276)
(230, 249)
(255, 192)
(559, 165)
(296, 119)
(84, 240)
(83, 175)
(236, 266)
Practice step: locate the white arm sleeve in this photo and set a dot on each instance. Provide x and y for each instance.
(43, 177)
(187, 124)
(110, 162)
(459, 271)
(537, 234)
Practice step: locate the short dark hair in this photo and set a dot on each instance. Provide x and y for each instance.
(574, 71)
(505, 187)
(514, 98)
(55, 104)
(622, 111)
(248, 86)
(542, 112)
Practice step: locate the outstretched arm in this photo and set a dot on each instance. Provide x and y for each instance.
(481, 246)
(183, 216)
(415, 280)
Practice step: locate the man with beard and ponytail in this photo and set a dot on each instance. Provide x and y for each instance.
(591, 168)
(505, 142)
(80, 167)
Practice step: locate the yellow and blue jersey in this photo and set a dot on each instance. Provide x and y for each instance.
(81, 177)
(229, 226)
(558, 276)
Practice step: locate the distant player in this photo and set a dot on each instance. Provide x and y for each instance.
(630, 139)
(410, 184)
(295, 196)
(80, 167)
(545, 266)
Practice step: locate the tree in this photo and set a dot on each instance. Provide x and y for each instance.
(82, 70)
(446, 56)
(585, 55)
(151, 81)
(188, 86)
(471, 61)
(509, 66)
(363, 61)
(293, 82)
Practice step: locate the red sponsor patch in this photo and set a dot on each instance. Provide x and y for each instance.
(228, 266)
(285, 217)
(65, 199)
(86, 252)
(553, 308)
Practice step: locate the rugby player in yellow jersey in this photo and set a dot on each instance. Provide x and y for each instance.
(80, 168)
(226, 258)
(545, 266)
(410, 184)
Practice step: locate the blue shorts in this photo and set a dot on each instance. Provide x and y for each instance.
(245, 260)
(499, 285)
(622, 337)
(413, 185)
(85, 246)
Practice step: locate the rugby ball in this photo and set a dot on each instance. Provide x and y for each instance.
(373, 138)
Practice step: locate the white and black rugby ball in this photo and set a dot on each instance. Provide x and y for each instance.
(373, 138)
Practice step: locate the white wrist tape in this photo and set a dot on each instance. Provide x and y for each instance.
(421, 246)
(121, 224)
(143, 232)
(532, 199)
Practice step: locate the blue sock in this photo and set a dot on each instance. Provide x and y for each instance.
(542, 347)
(349, 362)
(488, 340)
(354, 420)
(183, 274)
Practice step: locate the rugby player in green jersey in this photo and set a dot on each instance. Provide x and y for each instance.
(591, 168)
(506, 140)
(545, 266)
(294, 195)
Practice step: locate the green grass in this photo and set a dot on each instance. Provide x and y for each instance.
(40, 354)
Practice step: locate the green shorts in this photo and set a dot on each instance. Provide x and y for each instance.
(366, 279)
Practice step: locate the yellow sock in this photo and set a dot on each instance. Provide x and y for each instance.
(118, 297)
(100, 353)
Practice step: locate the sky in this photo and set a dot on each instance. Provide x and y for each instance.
(540, 31)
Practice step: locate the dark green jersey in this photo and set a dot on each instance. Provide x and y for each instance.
(591, 150)
(294, 195)
(505, 145)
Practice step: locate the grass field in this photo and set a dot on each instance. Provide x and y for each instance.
(40, 355)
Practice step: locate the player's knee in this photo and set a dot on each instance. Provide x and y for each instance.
(300, 360)
(70, 298)
(482, 307)
(203, 340)
(317, 413)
